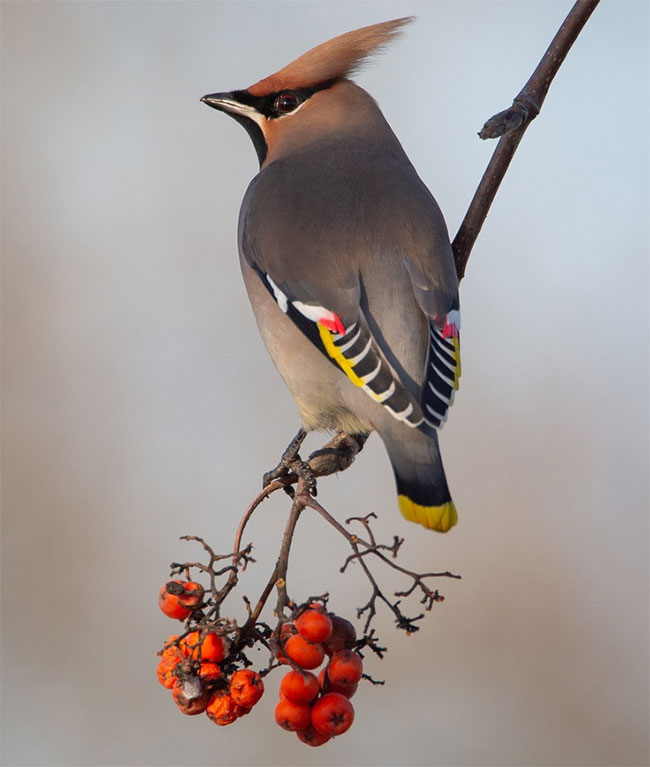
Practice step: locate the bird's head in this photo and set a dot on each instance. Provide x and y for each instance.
(312, 96)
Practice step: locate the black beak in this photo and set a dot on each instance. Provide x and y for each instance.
(224, 102)
(240, 106)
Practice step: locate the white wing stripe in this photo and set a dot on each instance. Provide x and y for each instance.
(442, 359)
(354, 360)
(311, 311)
(403, 416)
(344, 347)
(444, 377)
(372, 375)
(440, 396)
(280, 297)
(385, 395)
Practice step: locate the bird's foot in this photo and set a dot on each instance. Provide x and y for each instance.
(292, 463)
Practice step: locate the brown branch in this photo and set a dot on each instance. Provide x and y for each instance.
(283, 558)
(249, 513)
(337, 455)
(511, 125)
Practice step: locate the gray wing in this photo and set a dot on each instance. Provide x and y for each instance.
(307, 239)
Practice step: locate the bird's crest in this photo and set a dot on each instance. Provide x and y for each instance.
(339, 57)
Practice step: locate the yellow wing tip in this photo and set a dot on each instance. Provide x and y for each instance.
(440, 518)
(458, 367)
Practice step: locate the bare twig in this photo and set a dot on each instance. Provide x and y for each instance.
(372, 547)
(337, 455)
(511, 125)
(283, 558)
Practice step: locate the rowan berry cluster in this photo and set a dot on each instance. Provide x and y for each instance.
(196, 666)
(317, 708)
(206, 670)
(207, 666)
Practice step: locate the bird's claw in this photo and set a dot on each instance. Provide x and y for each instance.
(303, 470)
(291, 463)
(270, 476)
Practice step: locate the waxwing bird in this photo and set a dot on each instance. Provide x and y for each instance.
(348, 266)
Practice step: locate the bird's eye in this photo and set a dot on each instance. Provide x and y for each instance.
(285, 102)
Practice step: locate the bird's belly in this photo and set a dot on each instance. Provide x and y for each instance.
(325, 397)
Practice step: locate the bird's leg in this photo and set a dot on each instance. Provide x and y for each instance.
(291, 462)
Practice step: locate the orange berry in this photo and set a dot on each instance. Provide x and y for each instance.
(190, 696)
(169, 660)
(213, 648)
(192, 595)
(169, 604)
(314, 626)
(305, 654)
(246, 687)
(326, 685)
(222, 709)
(171, 651)
(332, 714)
(177, 599)
(312, 737)
(292, 716)
(209, 671)
(345, 668)
(166, 672)
(299, 687)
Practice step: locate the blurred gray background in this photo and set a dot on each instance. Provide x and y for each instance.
(139, 403)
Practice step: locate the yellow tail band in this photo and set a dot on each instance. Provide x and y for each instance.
(441, 518)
